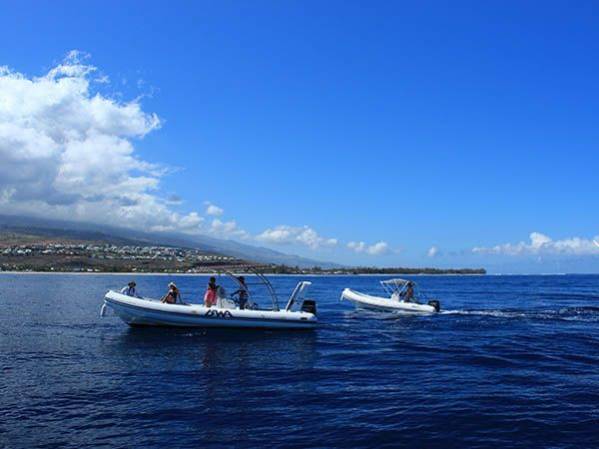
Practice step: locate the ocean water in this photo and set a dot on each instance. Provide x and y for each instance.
(513, 361)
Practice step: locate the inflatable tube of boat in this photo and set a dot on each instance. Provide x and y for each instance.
(386, 304)
(148, 312)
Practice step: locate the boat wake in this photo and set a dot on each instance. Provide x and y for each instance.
(587, 313)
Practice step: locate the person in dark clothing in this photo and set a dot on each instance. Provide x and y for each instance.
(129, 290)
(172, 296)
(242, 294)
(408, 295)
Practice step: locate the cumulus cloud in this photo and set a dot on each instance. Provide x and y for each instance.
(191, 221)
(433, 251)
(358, 247)
(227, 229)
(303, 235)
(376, 249)
(68, 152)
(214, 210)
(539, 244)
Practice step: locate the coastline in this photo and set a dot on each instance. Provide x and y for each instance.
(83, 273)
(78, 273)
(240, 273)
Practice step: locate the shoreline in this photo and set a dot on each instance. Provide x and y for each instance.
(77, 273)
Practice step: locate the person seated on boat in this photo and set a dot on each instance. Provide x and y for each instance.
(242, 293)
(173, 294)
(211, 293)
(408, 294)
(129, 290)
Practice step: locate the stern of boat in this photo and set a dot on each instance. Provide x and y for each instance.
(435, 304)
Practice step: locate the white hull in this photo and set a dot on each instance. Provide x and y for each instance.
(147, 312)
(385, 304)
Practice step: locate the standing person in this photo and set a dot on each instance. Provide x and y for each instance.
(173, 294)
(242, 293)
(129, 290)
(210, 295)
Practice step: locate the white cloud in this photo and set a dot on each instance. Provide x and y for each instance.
(358, 247)
(68, 152)
(376, 249)
(303, 235)
(433, 251)
(214, 210)
(191, 221)
(542, 244)
(227, 229)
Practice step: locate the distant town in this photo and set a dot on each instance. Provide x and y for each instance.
(113, 252)
(103, 257)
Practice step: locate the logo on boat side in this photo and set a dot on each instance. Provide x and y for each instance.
(218, 314)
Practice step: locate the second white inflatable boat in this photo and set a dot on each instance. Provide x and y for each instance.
(402, 299)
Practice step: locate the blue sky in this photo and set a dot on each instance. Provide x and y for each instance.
(461, 126)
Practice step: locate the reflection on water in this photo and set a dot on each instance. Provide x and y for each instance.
(217, 348)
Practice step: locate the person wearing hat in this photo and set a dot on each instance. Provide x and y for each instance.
(129, 290)
(173, 294)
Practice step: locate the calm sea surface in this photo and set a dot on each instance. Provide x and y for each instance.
(512, 362)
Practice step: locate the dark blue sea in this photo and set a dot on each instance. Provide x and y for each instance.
(513, 361)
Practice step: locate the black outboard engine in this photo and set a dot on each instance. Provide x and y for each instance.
(436, 304)
(309, 305)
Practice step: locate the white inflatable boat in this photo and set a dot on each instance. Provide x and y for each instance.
(402, 299)
(151, 312)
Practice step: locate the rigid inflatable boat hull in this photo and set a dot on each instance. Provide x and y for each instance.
(144, 312)
(380, 304)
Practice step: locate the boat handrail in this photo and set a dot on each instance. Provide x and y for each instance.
(264, 280)
(271, 289)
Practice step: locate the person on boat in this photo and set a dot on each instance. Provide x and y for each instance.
(242, 294)
(408, 295)
(211, 293)
(129, 290)
(173, 294)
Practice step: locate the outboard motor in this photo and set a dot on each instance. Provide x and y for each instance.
(309, 305)
(436, 304)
